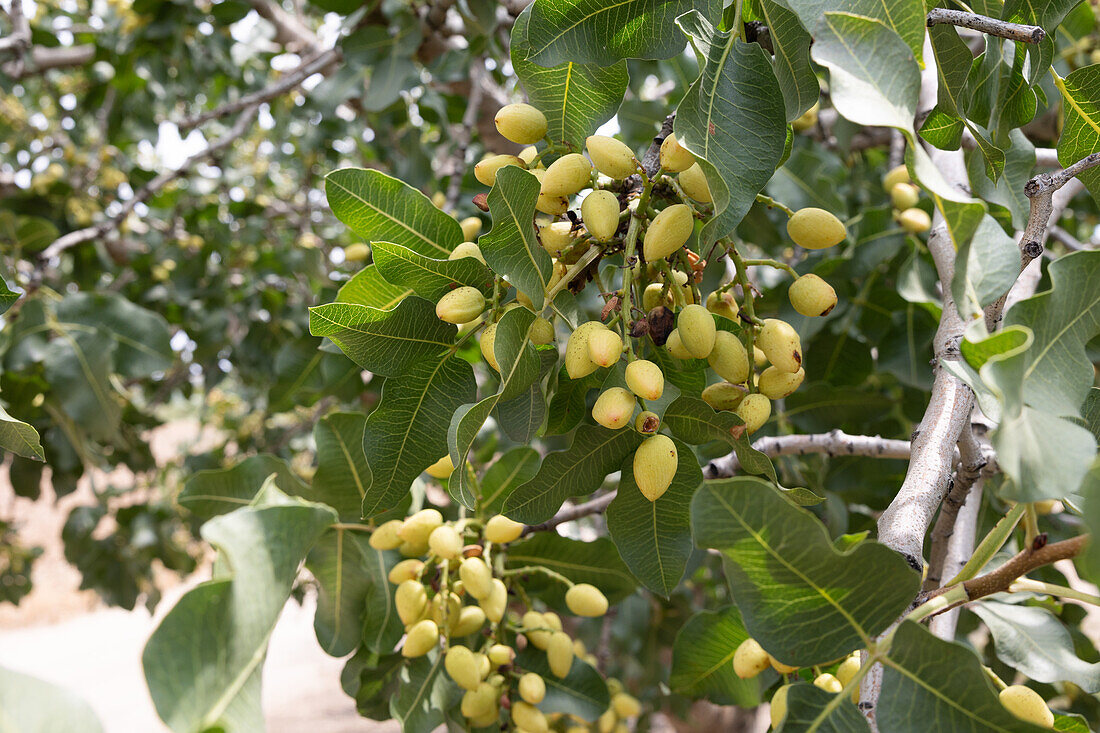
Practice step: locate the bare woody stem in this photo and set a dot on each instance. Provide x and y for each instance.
(971, 466)
(833, 443)
(985, 24)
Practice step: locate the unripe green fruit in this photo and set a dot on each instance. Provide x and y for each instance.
(531, 688)
(1026, 704)
(420, 639)
(780, 343)
(578, 363)
(385, 536)
(445, 542)
(521, 123)
(461, 305)
(600, 212)
(496, 603)
(694, 183)
(655, 466)
(487, 343)
(357, 252)
(500, 529)
(828, 682)
(471, 227)
(668, 232)
(722, 304)
(416, 529)
(486, 171)
(675, 346)
(895, 176)
(467, 249)
(645, 379)
(775, 385)
(915, 221)
(779, 706)
(611, 157)
(567, 175)
(729, 358)
(470, 620)
(625, 706)
(556, 237)
(605, 347)
(541, 331)
(501, 654)
(785, 668)
(749, 659)
(754, 410)
(559, 653)
(528, 717)
(405, 570)
(614, 408)
(904, 195)
(653, 296)
(812, 228)
(697, 330)
(480, 702)
(723, 396)
(585, 599)
(647, 423)
(675, 157)
(476, 576)
(461, 664)
(811, 296)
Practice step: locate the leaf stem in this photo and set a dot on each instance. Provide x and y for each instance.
(773, 204)
(773, 263)
(1027, 585)
(989, 546)
(540, 569)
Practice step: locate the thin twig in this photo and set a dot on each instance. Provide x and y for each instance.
(985, 24)
(462, 135)
(595, 506)
(971, 464)
(833, 443)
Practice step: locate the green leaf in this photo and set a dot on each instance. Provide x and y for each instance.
(429, 278)
(694, 421)
(19, 437)
(342, 475)
(407, 431)
(578, 471)
(220, 490)
(368, 287)
(32, 705)
(802, 600)
(521, 417)
(792, 59)
(7, 295)
(602, 32)
(576, 98)
(372, 680)
(733, 119)
(1025, 443)
(702, 660)
(1081, 128)
(380, 208)
(1032, 640)
(654, 537)
(582, 562)
(384, 342)
(142, 336)
(953, 60)
(204, 661)
(421, 696)
(985, 268)
(512, 246)
(305, 373)
(806, 712)
(1048, 15)
(904, 18)
(1090, 491)
(1008, 191)
(942, 129)
(582, 692)
(942, 680)
(515, 467)
(79, 367)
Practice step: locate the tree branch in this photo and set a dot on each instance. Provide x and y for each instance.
(289, 31)
(985, 24)
(594, 506)
(969, 471)
(833, 443)
(456, 162)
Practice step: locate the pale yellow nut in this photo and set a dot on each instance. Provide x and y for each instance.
(500, 529)
(780, 667)
(416, 529)
(385, 536)
(532, 688)
(1049, 506)
(811, 296)
(578, 363)
(897, 175)
(538, 632)
(528, 717)
(486, 171)
(553, 205)
(607, 722)
(759, 358)
(357, 252)
(567, 175)
(405, 570)
(471, 227)
(754, 410)
(915, 221)
(780, 343)
(559, 653)
(420, 639)
(557, 237)
(1027, 704)
(462, 665)
(600, 213)
(655, 466)
(723, 304)
(413, 549)
(470, 620)
(521, 123)
(585, 599)
(904, 195)
(460, 305)
(605, 347)
(694, 183)
(697, 330)
(626, 706)
(729, 359)
(467, 249)
(442, 468)
(487, 344)
(675, 346)
(496, 603)
(775, 385)
(528, 155)
(614, 408)
(668, 232)
(654, 295)
(813, 228)
(445, 607)
(806, 120)
(541, 331)
(476, 577)
(847, 672)
(647, 423)
(439, 199)
(749, 659)
(501, 654)
(611, 157)
(828, 682)
(645, 379)
(553, 620)
(675, 157)
(480, 702)
(724, 396)
(445, 542)
(778, 709)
